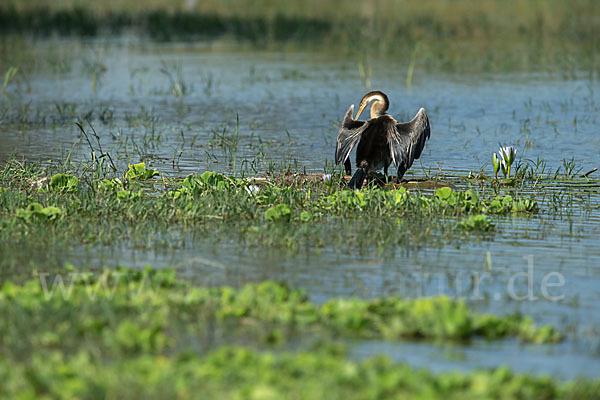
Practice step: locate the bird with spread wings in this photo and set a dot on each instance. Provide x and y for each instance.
(381, 140)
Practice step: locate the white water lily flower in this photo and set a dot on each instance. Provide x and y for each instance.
(507, 157)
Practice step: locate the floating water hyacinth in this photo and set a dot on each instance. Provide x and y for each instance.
(507, 157)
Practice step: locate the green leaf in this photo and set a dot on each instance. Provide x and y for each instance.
(278, 213)
(305, 216)
(478, 222)
(140, 172)
(64, 182)
(443, 193)
(36, 212)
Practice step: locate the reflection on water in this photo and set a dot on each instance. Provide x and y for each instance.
(177, 108)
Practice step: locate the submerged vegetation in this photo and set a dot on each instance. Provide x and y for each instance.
(122, 333)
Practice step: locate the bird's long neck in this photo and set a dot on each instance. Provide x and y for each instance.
(379, 108)
(380, 104)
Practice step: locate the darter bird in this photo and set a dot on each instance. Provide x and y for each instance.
(381, 140)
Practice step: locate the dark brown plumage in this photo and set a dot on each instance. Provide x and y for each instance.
(381, 140)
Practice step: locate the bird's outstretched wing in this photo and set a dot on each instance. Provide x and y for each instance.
(348, 135)
(407, 140)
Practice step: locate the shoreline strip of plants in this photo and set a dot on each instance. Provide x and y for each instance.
(294, 21)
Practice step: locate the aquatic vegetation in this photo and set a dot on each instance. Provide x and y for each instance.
(269, 211)
(504, 162)
(538, 171)
(96, 69)
(130, 332)
(109, 185)
(174, 73)
(477, 222)
(496, 164)
(36, 212)
(280, 212)
(570, 168)
(423, 33)
(507, 157)
(64, 182)
(234, 372)
(8, 77)
(155, 300)
(472, 20)
(139, 172)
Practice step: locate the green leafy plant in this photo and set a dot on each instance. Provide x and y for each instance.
(64, 183)
(140, 172)
(278, 213)
(478, 222)
(496, 164)
(37, 212)
(305, 216)
(110, 184)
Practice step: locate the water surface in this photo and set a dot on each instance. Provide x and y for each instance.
(186, 108)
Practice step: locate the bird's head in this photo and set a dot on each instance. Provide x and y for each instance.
(380, 105)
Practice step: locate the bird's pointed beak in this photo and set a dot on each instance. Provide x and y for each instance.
(360, 109)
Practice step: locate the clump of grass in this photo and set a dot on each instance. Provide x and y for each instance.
(537, 171)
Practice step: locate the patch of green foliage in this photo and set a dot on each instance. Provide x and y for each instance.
(477, 222)
(64, 182)
(240, 373)
(280, 212)
(35, 212)
(129, 333)
(58, 310)
(109, 209)
(139, 172)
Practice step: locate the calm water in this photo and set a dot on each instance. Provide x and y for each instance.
(289, 106)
